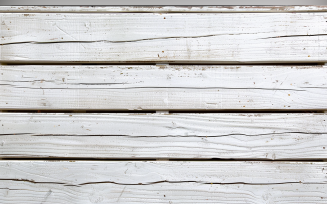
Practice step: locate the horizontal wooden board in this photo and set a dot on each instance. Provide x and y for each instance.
(169, 37)
(145, 172)
(159, 9)
(163, 87)
(21, 192)
(162, 182)
(152, 136)
(13, 192)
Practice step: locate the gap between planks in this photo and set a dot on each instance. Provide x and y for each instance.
(154, 111)
(65, 159)
(217, 63)
(162, 9)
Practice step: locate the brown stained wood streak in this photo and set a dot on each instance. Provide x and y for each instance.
(172, 136)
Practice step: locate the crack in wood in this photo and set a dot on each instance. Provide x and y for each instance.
(171, 87)
(122, 41)
(161, 38)
(160, 136)
(157, 182)
(287, 36)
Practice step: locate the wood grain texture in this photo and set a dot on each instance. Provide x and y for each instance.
(210, 34)
(162, 182)
(14, 192)
(159, 9)
(152, 136)
(139, 172)
(163, 87)
(170, 37)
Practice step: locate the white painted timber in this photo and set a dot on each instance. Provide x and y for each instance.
(163, 87)
(159, 182)
(169, 37)
(13, 192)
(141, 172)
(160, 9)
(166, 136)
(162, 182)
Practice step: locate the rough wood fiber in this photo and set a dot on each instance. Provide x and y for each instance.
(138, 172)
(186, 136)
(162, 182)
(159, 9)
(169, 37)
(163, 87)
(14, 192)
(163, 34)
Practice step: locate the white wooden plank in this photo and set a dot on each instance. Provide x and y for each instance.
(163, 87)
(170, 37)
(157, 182)
(225, 182)
(139, 172)
(159, 9)
(13, 192)
(201, 136)
(284, 146)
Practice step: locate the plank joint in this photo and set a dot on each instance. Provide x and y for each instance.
(162, 112)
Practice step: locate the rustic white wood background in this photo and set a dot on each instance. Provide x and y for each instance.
(230, 101)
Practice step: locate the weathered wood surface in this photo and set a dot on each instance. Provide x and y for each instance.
(163, 87)
(13, 192)
(159, 9)
(151, 136)
(139, 172)
(169, 37)
(211, 34)
(162, 182)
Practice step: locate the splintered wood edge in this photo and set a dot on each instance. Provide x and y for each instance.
(159, 9)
